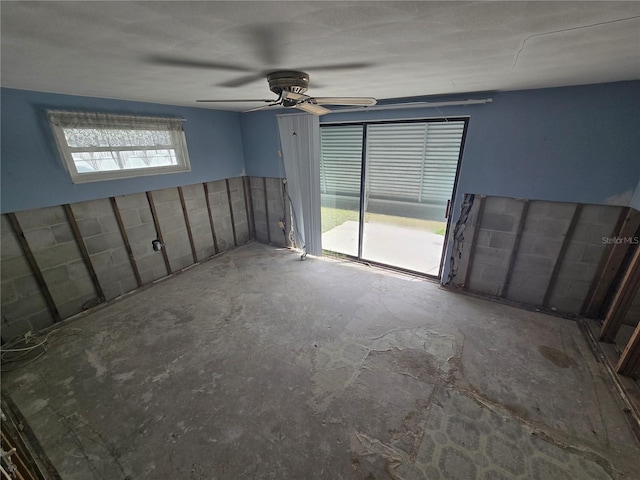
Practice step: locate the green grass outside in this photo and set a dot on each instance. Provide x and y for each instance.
(332, 217)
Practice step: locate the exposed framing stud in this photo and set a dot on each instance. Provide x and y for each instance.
(213, 229)
(622, 300)
(125, 239)
(266, 208)
(474, 241)
(612, 259)
(44, 289)
(247, 200)
(233, 220)
(188, 225)
(629, 363)
(154, 215)
(563, 249)
(83, 250)
(516, 247)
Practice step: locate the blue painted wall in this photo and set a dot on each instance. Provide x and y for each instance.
(571, 144)
(261, 143)
(34, 176)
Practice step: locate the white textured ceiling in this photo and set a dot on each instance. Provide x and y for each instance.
(123, 49)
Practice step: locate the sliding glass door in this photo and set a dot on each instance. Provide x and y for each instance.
(386, 189)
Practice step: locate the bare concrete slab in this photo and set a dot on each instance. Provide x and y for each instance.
(255, 365)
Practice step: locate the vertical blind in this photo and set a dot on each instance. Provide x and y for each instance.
(410, 162)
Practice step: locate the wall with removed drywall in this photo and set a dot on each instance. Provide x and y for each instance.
(549, 255)
(61, 260)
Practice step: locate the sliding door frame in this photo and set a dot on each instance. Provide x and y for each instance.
(363, 173)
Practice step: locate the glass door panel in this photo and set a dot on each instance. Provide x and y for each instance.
(410, 170)
(340, 179)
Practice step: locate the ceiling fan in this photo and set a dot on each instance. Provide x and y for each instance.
(290, 86)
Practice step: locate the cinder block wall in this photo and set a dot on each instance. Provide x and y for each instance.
(269, 209)
(58, 261)
(545, 254)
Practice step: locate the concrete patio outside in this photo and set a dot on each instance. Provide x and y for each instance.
(394, 245)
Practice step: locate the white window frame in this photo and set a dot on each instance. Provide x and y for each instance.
(59, 120)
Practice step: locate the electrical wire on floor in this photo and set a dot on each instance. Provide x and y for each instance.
(25, 349)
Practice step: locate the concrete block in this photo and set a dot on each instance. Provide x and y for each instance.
(592, 254)
(547, 227)
(478, 285)
(165, 195)
(600, 214)
(501, 240)
(575, 250)
(215, 199)
(90, 227)
(148, 276)
(40, 239)
(41, 319)
(490, 256)
(493, 274)
(63, 233)
(145, 215)
(577, 270)
(497, 204)
(141, 233)
(14, 268)
(104, 242)
(173, 224)
(108, 224)
(5, 224)
(218, 186)
(8, 294)
(163, 210)
(534, 264)
(9, 245)
(40, 217)
(56, 275)
(130, 217)
(26, 286)
(591, 233)
(134, 200)
(23, 308)
(92, 209)
(526, 287)
(540, 245)
(101, 260)
(561, 211)
(120, 256)
(58, 255)
(566, 305)
(500, 222)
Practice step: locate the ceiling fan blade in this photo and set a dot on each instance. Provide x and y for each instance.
(365, 101)
(262, 107)
(312, 108)
(236, 101)
(338, 66)
(242, 81)
(192, 63)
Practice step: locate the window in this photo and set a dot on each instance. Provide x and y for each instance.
(97, 146)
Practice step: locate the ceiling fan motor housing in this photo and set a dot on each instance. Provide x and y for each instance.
(288, 80)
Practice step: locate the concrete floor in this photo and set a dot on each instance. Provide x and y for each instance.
(404, 247)
(256, 365)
